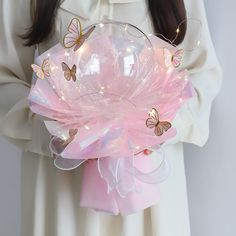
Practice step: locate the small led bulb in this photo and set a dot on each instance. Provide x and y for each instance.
(86, 127)
(128, 50)
(67, 54)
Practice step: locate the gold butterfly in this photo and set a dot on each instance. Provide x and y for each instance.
(42, 71)
(75, 38)
(69, 73)
(173, 59)
(159, 126)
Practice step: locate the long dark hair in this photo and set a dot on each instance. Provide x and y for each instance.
(166, 16)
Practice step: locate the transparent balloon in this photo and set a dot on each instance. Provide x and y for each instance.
(111, 67)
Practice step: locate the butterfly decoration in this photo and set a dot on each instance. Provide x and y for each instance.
(42, 71)
(159, 126)
(69, 73)
(173, 59)
(75, 38)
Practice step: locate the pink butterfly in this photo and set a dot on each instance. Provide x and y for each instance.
(173, 59)
(75, 38)
(154, 122)
(42, 71)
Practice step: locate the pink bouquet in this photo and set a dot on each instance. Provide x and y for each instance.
(109, 95)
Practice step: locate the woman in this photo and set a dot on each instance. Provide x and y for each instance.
(50, 197)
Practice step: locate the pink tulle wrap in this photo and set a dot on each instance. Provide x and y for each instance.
(118, 81)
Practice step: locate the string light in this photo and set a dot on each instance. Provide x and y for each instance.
(86, 127)
(64, 137)
(178, 32)
(67, 54)
(169, 70)
(128, 50)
